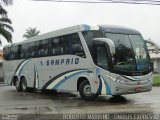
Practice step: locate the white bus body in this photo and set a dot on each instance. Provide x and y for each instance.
(79, 59)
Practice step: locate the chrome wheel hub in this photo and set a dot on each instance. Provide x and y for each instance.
(87, 90)
(17, 83)
(24, 85)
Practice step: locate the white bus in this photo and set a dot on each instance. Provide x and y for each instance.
(94, 60)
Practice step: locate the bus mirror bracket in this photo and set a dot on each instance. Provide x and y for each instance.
(154, 44)
(109, 42)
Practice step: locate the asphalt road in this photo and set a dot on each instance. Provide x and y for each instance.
(13, 102)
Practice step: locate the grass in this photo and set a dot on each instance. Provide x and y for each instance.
(156, 80)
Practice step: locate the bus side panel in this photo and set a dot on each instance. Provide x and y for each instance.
(10, 68)
(29, 74)
(69, 82)
(63, 76)
(44, 72)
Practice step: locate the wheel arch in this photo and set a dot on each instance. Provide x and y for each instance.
(80, 80)
(21, 77)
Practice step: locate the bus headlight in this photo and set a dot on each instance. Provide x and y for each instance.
(121, 81)
(112, 78)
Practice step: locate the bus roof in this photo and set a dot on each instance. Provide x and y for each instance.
(118, 29)
(77, 28)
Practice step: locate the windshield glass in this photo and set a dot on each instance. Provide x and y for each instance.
(131, 52)
(140, 52)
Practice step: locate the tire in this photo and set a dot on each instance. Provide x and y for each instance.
(24, 85)
(85, 91)
(18, 86)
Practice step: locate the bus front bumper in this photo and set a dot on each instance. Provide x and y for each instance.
(120, 89)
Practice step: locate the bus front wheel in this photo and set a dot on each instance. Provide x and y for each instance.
(85, 91)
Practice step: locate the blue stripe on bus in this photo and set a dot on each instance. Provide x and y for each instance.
(57, 76)
(100, 86)
(108, 90)
(67, 78)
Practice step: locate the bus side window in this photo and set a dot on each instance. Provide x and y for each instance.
(101, 56)
(42, 48)
(67, 44)
(19, 51)
(6, 54)
(89, 35)
(50, 47)
(58, 49)
(61, 45)
(56, 46)
(45, 47)
(77, 46)
(24, 53)
(13, 55)
(38, 48)
(31, 50)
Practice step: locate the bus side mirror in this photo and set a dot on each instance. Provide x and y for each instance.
(109, 42)
(154, 44)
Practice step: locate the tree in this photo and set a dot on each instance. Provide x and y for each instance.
(5, 28)
(3, 12)
(5, 22)
(31, 32)
(6, 2)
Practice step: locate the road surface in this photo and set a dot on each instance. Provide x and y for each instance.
(13, 102)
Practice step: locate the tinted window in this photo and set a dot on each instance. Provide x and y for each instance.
(101, 59)
(31, 50)
(77, 48)
(42, 48)
(19, 51)
(13, 54)
(24, 53)
(6, 54)
(56, 46)
(67, 44)
(89, 35)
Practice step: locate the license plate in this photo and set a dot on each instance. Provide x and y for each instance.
(138, 89)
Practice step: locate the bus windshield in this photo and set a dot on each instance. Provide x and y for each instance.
(131, 52)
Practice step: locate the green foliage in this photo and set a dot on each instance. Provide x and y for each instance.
(156, 80)
(31, 32)
(5, 28)
(6, 2)
(5, 23)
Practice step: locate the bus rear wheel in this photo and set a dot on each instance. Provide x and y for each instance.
(24, 85)
(18, 86)
(85, 91)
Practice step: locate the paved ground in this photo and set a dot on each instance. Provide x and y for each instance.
(12, 102)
